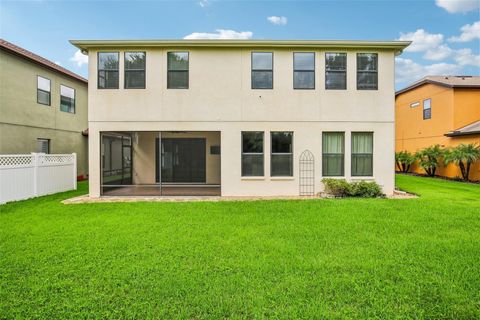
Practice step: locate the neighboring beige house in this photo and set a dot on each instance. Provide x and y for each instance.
(239, 117)
(43, 107)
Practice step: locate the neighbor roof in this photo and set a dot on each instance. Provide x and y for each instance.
(398, 46)
(445, 81)
(10, 47)
(473, 128)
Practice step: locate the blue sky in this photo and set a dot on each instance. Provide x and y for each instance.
(446, 33)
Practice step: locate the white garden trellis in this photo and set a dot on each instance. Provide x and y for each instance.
(24, 176)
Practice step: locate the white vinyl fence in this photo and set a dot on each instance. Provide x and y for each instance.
(24, 176)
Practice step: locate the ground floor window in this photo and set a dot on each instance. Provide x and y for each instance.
(252, 154)
(281, 158)
(333, 151)
(43, 145)
(362, 154)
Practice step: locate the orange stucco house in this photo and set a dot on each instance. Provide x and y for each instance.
(442, 110)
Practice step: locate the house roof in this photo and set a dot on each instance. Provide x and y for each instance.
(445, 81)
(472, 128)
(10, 47)
(398, 46)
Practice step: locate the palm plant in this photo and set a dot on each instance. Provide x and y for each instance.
(404, 160)
(463, 155)
(429, 158)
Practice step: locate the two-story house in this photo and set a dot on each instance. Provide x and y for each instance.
(43, 106)
(239, 117)
(443, 110)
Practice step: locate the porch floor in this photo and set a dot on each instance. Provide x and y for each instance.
(210, 191)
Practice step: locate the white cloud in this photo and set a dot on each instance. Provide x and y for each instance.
(79, 58)
(439, 53)
(421, 40)
(455, 6)
(220, 34)
(469, 32)
(281, 21)
(58, 62)
(465, 57)
(407, 71)
(203, 3)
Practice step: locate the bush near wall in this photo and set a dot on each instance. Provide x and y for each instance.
(361, 189)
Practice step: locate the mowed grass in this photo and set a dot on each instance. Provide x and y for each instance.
(349, 258)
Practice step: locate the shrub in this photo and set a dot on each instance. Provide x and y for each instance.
(342, 188)
(366, 189)
(337, 187)
(463, 155)
(404, 160)
(429, 158)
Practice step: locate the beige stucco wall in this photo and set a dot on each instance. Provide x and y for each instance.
(220, 98)
(23, 120)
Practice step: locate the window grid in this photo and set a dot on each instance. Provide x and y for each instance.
(129, 70)
(329, 70)
(273, 154)
(270, 71)
(360, 72)
(326, 155)
(48, 93)
(304, 71)
(427, 109)
(67, 104)
(107, 72)
(365, 155)
(261, 154)
(171, 71)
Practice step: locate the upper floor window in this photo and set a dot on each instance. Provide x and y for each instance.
(336, 71)
(367, 71)
(303, 70)
(177, 70)
(262, 70)
(108, 70)
(281, 159)
(43, 90)
(427, 109)
(134, 70)
(333, 153)
(362, 154)
(67, 99)
(252, 154)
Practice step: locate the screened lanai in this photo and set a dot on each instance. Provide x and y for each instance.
(148, 163)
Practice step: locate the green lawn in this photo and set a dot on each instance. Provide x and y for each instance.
(355, 258)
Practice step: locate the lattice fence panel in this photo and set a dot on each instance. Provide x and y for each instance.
(307, 173)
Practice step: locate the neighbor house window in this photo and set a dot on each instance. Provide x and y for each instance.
(67, 99)
(281, 158)
(43, 90)
(177, 70)
(43, 145)
(252, 154)
(427, 109)
(335, 71)
(333, 151)
(262, 70)
(134, 70)
(303, 70)
(108, 70)
(362, 154)
(367, 71)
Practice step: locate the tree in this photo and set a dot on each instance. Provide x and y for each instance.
(404, 160)
(463, 155)
(429, 158)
